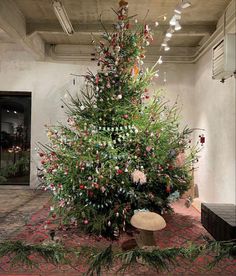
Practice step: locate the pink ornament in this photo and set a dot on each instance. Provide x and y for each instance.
(138, 177)
(71, 121)
(180, 159)
(59, 186)
(62, 203)
(85, 221)
(148, 148)
(126, 116)
(103, 189)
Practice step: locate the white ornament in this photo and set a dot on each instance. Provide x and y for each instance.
(117, 48)
(82, 107)
(119, 97)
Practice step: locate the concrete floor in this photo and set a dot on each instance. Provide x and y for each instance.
(16, 208)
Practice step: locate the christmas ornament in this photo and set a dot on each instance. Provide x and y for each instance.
(117, 150)
(202, 139)
(180, 159)
(138, 177)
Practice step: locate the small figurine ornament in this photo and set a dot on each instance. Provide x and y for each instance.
(123, 3)
(202, 139)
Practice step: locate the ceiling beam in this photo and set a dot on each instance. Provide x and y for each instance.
(54, 27)
(75, 53)
(13, 23)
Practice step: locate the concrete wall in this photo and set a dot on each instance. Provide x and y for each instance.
(214, 110)
(205, 104)
(48, 83)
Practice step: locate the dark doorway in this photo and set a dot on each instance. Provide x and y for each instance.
(15, 129)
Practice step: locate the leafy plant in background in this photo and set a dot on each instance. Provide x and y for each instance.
(22, 164)
(120, 151)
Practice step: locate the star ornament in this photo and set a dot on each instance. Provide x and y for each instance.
(123, 3)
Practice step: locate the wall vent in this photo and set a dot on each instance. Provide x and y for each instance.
(224, 58)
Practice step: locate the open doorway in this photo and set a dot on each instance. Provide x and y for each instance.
(15, 130)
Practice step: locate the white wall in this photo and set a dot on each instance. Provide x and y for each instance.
(48, 83)
(205, 104)
(214, 110)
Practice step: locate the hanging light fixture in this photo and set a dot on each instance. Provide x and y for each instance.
(175, 18)
(178, 9)
(62, 17)
(173, 21)
(169, 33)
(164, 44)
(165, 80)
(167, 48)
(160, 61)
(185, 4)
(177, 26)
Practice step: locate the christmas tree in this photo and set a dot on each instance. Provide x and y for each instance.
(120, 151)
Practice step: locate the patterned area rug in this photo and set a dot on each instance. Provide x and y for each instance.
(182, 227)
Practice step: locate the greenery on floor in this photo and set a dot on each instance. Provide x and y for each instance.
(160, 259)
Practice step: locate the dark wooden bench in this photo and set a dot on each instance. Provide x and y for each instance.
(219, 220)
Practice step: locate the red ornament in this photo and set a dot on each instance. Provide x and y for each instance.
(127, 26)
(59, 186)
(41, 154)
(119, 171)
(202, 139)
(126, 116)
(95, 185)
(90, 193)
(81, 187)
(54, 215)
(168, 189)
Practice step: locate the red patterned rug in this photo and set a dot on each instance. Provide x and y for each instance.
(182, 227)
